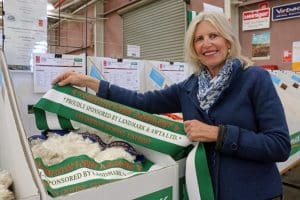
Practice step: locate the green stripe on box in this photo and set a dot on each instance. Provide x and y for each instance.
(81, 172)
(83, 161)
(295, 142)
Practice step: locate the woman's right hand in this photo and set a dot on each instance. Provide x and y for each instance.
(77, 79)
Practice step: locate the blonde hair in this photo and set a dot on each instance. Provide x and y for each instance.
(222, 25)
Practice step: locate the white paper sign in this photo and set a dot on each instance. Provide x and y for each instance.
(25, 30)
(133, 50)
(256, 19)
(48, 66)
(124, 73)
(161, 74)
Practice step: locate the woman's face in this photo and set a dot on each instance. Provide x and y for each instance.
(210, 46)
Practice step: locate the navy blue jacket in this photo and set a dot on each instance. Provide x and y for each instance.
(257, 134)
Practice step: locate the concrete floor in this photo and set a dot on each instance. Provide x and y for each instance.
(291, 183)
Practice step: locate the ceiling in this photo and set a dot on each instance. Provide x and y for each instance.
(68, 6)
(67, 9)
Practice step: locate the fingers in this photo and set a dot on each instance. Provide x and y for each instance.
(63, 79)
(187, 127)
(187, 123)
(193, 130)
(57, 79)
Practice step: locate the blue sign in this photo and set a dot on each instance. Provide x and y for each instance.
(95, 73)
(157, 77)
(286, 11)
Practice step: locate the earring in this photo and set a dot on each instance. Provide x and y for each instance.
(229, 50)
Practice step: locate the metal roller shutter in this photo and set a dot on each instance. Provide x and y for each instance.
(158, 28)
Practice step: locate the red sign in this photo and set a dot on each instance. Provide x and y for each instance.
(256, 14)
(263, 5)
(256, 19)
(287, 56)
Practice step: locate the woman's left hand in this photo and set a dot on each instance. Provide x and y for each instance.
(198, 131)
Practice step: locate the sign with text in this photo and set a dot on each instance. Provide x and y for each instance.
(296, 56)
(286, 11)
(46, 66)
(133, 50)
(25, 30)
(256, 19)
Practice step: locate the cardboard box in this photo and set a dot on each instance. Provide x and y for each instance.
(16, 157)
(160, 184)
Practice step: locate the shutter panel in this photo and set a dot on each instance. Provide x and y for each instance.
(158, 28)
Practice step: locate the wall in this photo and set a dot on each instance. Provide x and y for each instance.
(113, 31)
(113, 36)
(282, 34)
(197, 5)
(73, 37)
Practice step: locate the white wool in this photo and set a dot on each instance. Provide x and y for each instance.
(6, 194)
(58, 148)
(5, 178)
(114, 153)
(5, 183)
(84, 128)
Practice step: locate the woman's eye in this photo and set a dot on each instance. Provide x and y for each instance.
(213, 35)
(198, 39)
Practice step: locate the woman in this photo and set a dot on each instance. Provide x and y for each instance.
(231, 108)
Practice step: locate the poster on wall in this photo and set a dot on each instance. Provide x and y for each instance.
(47, 66)
(160, 74)
(256, 19)
(127, 73)
(123, 72)
(261, 46)
(25, 30)
(296, 56)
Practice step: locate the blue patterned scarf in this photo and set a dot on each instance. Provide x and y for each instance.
(211, 88)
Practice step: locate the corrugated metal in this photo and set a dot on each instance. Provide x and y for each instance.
(158, 28)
